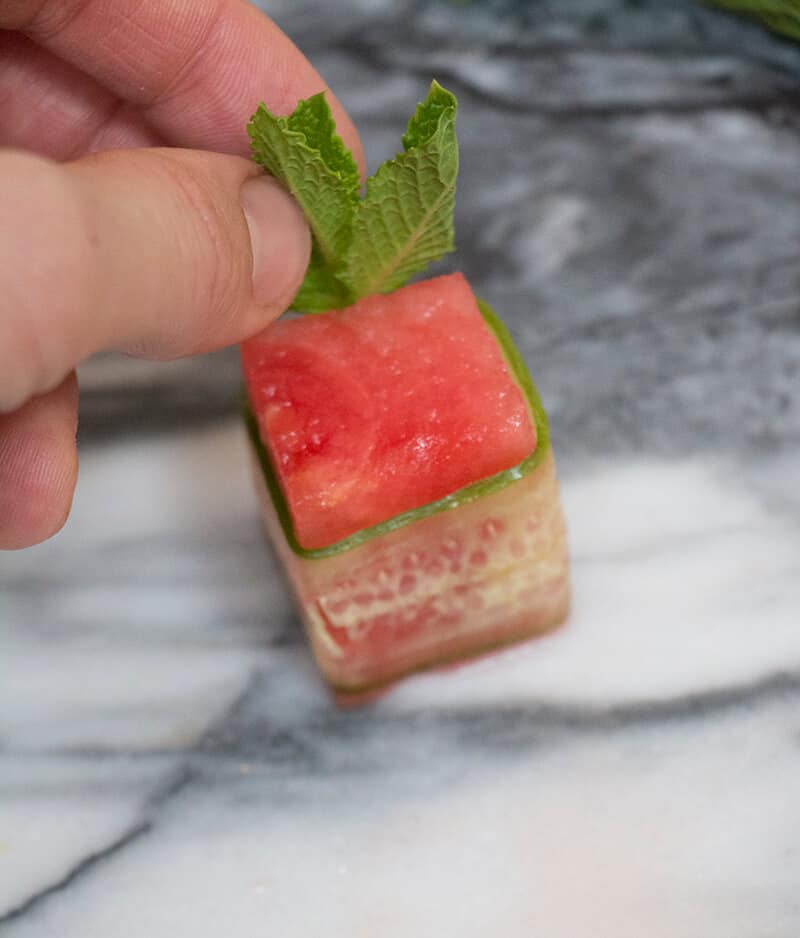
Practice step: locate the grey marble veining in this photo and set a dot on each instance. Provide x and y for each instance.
(169, 760)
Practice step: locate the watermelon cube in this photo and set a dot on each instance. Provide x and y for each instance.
(408, 481)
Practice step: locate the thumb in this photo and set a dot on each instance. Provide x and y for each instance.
(159, 253)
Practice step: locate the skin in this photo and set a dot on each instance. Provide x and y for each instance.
(132, 218)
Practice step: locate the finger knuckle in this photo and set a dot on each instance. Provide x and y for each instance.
(212, 246)
(46, 278)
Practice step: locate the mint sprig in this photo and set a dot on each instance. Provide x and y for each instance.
(404, 222)
(305, 154)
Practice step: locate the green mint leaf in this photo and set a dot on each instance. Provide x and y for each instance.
(405, 220)
(425, 120)
(312, 118)
(782, 16)
(306, 155)
(321, 290)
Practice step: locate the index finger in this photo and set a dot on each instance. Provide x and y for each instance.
(196, 69)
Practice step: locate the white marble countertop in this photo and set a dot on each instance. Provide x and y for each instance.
(170, 762)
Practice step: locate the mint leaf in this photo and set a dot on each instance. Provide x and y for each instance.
(312, 118)
(405, 221)
(307, 156)
(783, 16)
(422, 125)
(321, 289)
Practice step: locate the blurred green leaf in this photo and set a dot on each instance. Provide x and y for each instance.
(782, 16)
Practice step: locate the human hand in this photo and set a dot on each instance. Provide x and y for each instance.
(110, 236)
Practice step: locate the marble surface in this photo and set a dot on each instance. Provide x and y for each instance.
(169, 760)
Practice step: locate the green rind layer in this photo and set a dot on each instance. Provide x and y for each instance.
(463, 496)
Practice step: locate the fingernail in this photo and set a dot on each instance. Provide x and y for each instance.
(279, 238)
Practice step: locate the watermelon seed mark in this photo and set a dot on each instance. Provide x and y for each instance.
(407, 583)
(452, 548)
(435, 568)
(415, 559)
(383, 577)
(492, 528)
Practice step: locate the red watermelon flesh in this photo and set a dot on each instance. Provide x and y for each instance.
(383, 407)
